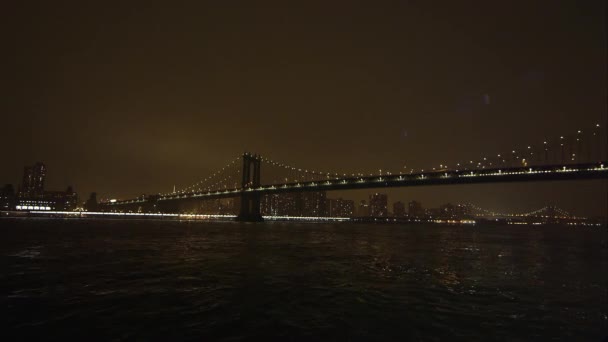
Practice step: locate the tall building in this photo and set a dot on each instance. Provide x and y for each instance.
(338, 207)
(33, 180)
(415, 209)
(32, 195)
(7, 197)
(283, 204)
(271, 205)
(266, 204)
(378, 205)
(91, 204)
(399, 209)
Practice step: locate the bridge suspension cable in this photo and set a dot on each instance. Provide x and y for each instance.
(569, 153)
(279, 172)
(225, 177)
(547, 210)
(577, 147)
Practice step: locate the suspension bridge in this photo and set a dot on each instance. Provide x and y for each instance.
(546, 212)
(581, 155)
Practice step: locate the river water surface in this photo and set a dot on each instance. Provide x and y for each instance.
(82, 279)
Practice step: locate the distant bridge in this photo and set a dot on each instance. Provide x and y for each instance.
(568, 158)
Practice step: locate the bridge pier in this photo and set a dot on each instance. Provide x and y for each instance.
(250, 202)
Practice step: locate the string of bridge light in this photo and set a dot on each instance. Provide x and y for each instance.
(219, 184)
(232, 180)
(231, 176)
(493, 213)
(204, 183)
(563, 213)
(519, 157)
(317, 175)
(300, 172)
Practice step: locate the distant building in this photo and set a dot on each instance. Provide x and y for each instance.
(363, 210)
(378, 205)
(287, 205)
(447, 211)
(91, 204)
(226, 206)
(32, 195)
(399, 209)
(462, 211)
(415, 209)
(338, 207)
(283, 204)
(266, 204)
(433, 212)
(61, 200)
(312, 204)
(32, 184)
(209, 207)
(7, 197)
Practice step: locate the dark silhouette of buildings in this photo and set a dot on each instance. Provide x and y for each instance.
(378, 205)
(447, 211)
(32, 195)
(363, 210)
(61, 200)
(7, 197)
(399, 209)
(415, 209)
(91, 204)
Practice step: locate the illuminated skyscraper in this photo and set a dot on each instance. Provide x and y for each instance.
(33, 180)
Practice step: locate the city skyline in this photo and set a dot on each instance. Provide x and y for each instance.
(378, 204)
(32, 195)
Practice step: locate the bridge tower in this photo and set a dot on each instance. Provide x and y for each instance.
(250, 202)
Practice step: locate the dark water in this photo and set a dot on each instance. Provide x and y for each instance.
(154, 280)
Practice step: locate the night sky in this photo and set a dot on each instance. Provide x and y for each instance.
(130, 98)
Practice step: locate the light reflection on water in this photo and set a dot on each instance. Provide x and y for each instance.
(171, 280)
